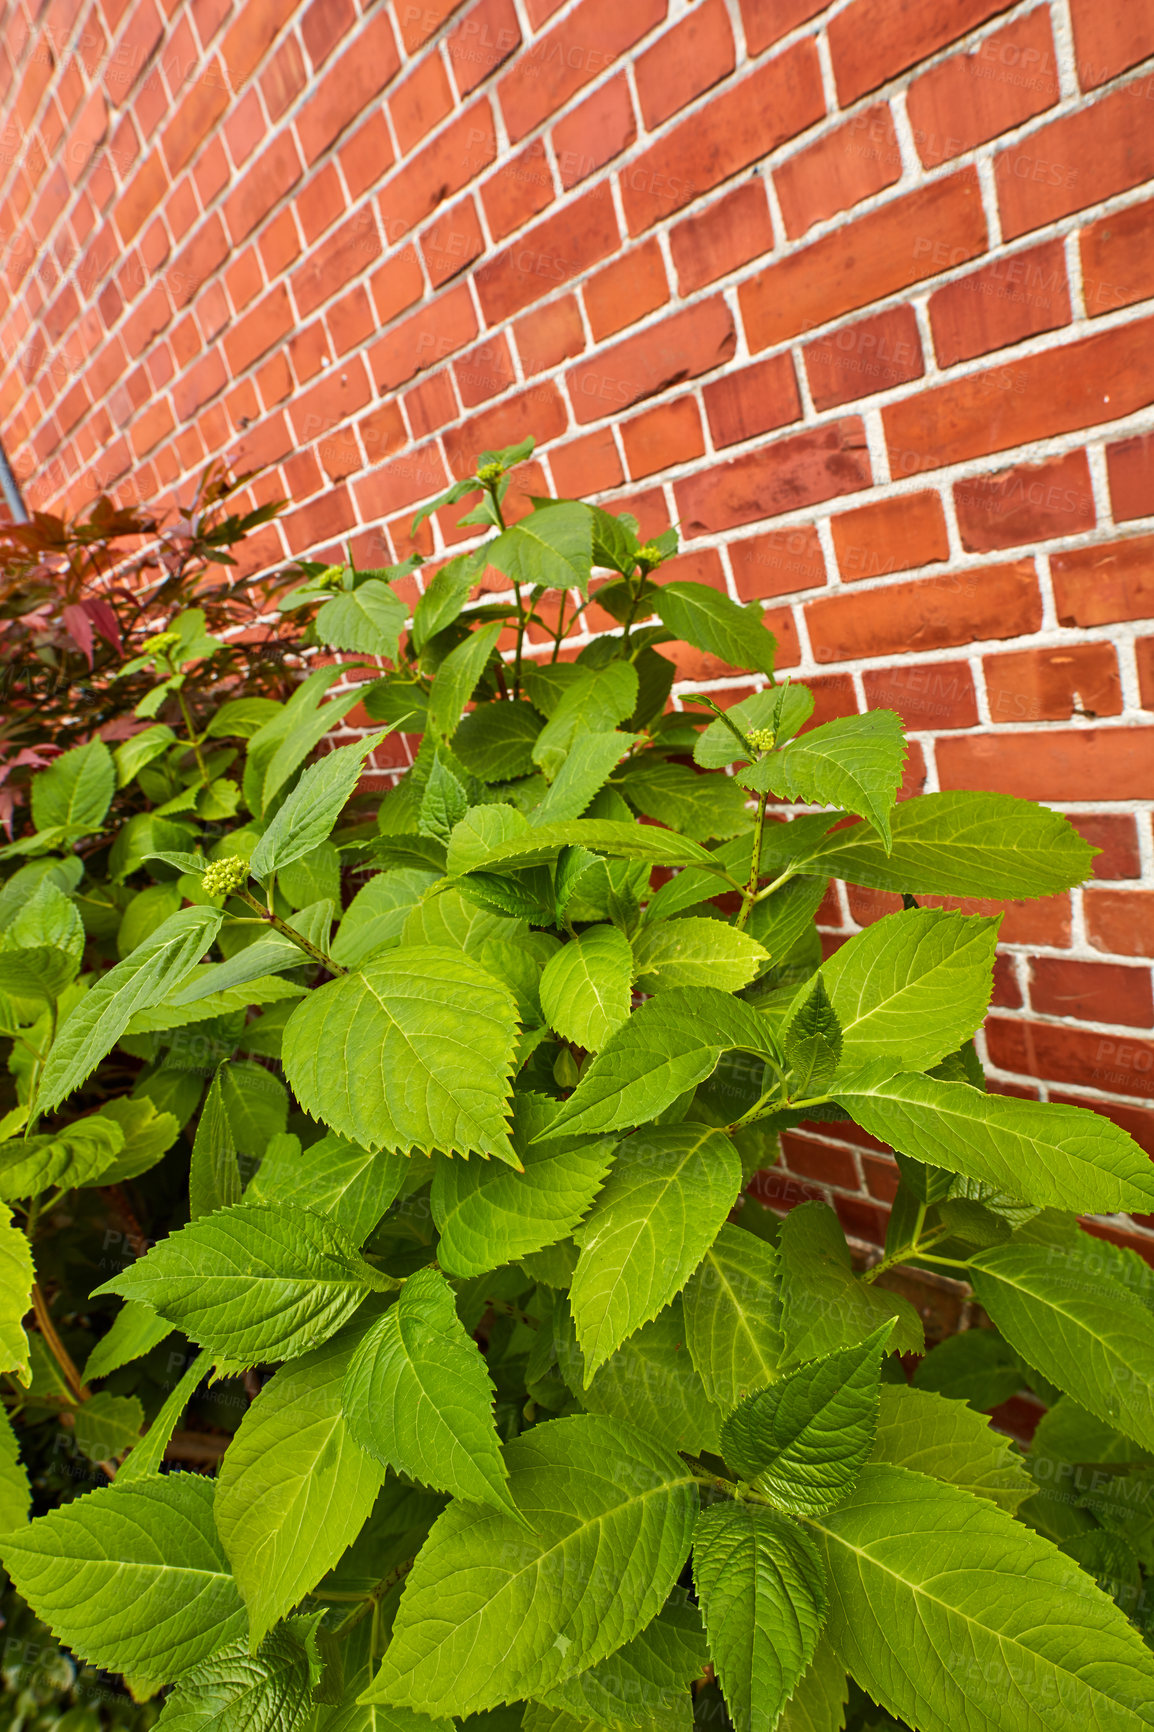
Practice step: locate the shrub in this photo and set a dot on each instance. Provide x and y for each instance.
(426, 1209)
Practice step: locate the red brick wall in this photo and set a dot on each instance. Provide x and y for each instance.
(860, 293)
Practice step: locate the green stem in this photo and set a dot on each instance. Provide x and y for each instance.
(56, 1347)
(282, 926)
(754, 865)
(782, 878)
(192, 738)
(914, 1251)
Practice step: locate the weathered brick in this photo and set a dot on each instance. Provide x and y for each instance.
(747, 401)
(485, 37)
(1118, 259)
(1008, 78)
(348, 251)
(730, 232)
(695, 54)
(872, 41)
(1060, 764)
(425, 338)
(662, 437)
(1115, 834)
(283, 78)
(780, 562)
(520, 188)
(872, 354)
(422, 19)
(803, 469)
(1086, 156)
(932, 229)
(926, 695)
(681, 347)
(587, 465)
(1120, 921)
(1119, 1064)
(1098, 585)
(626, 290)
(420, 102)
(594, 132)
(438, 170)
(767, 21)
(996, 601)
(1130, 465)
(484, 372)
(274, 173)
(555, 66)
(1052, 685)
(1002, 303)
(838, 170)
(253, 336)
(397, 284)
(1029, 503)
(347, 90)
(418, 474)
(549, 334)
(1110, 39)
(548, 255)
(453, 242)
(890, 535)
(431, 404)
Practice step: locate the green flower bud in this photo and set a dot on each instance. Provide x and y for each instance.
(222, 877)
(762, 738)
(490, 472)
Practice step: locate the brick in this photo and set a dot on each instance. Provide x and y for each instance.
(337, 396)
(309, 351)
(587, 465)
(889, 535)
(1051, 685)
(1144, 654)
(787, 475)
(873, 354)
(274, 173)
(431, 404)
(323, 520)
(145, 192)
(1079, 385)
(691, 57)
(749, 401)
(932, 229)
(767, 21)
(1062, 764)
(1061, 1054)
(453, 242)
(389, 487)
(279, 245)
(366, 155)
(871, 41)
(594, 132)
(1130, 465)
(134, 49)
(549, 335)
(836, 172)
(926, 695)
(421, 102)
(197, 116)
(663, 437)
(1099, 585)
(521, 188)
(1120, 921)
(681, 347)
(1008, 78)
(484, 372)
(397, 284)
(780, 562)
(267, 324)
(245, 127)
(1091, 991)
(283, 78)
(211, 171)
(347, 252)
(928, 613)
(740, 126)
(324, 25)
(420, 21)
(548, 255)
(1110, 39)
(1118, 259)
(1088, 155)
(728, 233)
(199, 385)
(694, 665)
(1045, 920)
(350, 321)
(382, 431)
(626, 290)
(348, 88)
(424, 339)
(555, 66)
(540, 407)
(1116, 835)
(484, 38)
(1003, 303)
(438, 170)
(1028, 503)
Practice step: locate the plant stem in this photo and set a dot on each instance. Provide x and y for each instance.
(191, 731)
(287, 931)
(913, 1251)
(56, 1347)
(750, 894)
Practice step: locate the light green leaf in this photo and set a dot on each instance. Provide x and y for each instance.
(812, 1043)
(341, 1180)
(495, 741)
(804, 1440)
(214, 1177)
(781, 709)
(621, 841)
(948, 1440)
(761, 1584)
(74, 793)
(912, 987)
(419, 1399)
(281, 746)
(823, 1304)
(669, 1190)
(257, 1105)
(237, 1691)
(131, 756)
(645, 1683)
(586, 987)
(482, 829)
(315, 877)
(610, 1515)
(377, 913)
(369, 618)
(650, 1381)
(143, 979)
(818, 1703)
(15, 1491)
(457, 678)
(148, 1455)
(414, 1052)
(998, 1628)
(667, 1046)
(963, 844)
(295, 1488)
(268, 989)
(697, 806)
(709, 621)
(853, 762)
(132, 1578)
(444, 801)
(552, 547)
(16, 1278)
(77, 1154)
(694, 951)
(731, 1306)
(591, 699)
(787, 915)
(313, 807)
(256, 1282)
(451, 921)
(148, 1135)
(1063, 1308)
(240, 718)
(107, 1426)
(136, 1330)
(1062, 1156)
(587, 766)
(446, 595)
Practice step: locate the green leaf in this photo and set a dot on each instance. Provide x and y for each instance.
(136, 1330)
(645, 1683)
(313, 807)
(804, 1441)
(710, 621)
(591, 700)
(761, 1584)
(780, 709)
(369, 618)
(16, 1278)
(482, 829)
(1063, 1308)
(237, 1691)
(377, 913)
(781, 919)
(495, 741)
(77, 1154)
(812, 1043)
(587, 766)
(15, 1491)
(214, 1177)
(586, 987)
(552, 547)
(650, 1381)
(668, 1192)
(818, 1703)
(295, 1488)
(74, 793)
(910, 1554)
(257, 1105)
(450, 921)
(429, 1016)
(338, 1179)
(457, 678)
(976, 1366)
(1062, 1156)
(731, 1304)
(963, 844)
(107, 1426)
(610, 1515)
(948, 1440)
(280, 747)
(447, 593)
(132, 1578)
(913, 986)
(419, 1398)
(240, 718)
(853, 762)
(544, 842)
(143, 979)
(131, 756)
(149, 1453)
(256, 1282)
(694, 951)
(823, 1304)
(444, 801)
(488, 1216)
(697, 806)
(148, 1135)
(669, 1045)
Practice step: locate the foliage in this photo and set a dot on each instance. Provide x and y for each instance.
(384, 1160)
